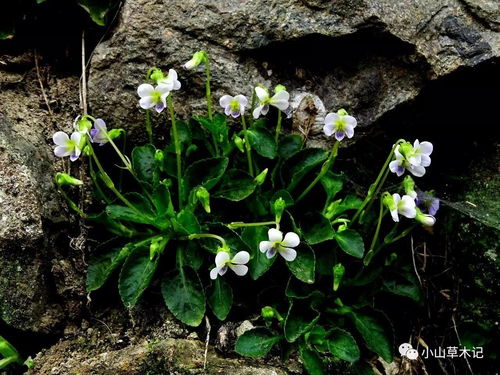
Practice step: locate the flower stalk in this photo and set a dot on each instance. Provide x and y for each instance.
(247, 146)
(177, 146)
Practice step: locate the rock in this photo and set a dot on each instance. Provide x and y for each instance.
(364, 55)
(32, 218)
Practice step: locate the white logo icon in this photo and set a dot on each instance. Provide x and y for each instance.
(406, 350)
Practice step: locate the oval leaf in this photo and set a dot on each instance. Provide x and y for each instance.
(256, 342)
(311, 361)
(236, 185)
(205, 172)
(351, 242)
(297, 166)
(144, 163)
(220, 298)
(300, 319)
(303, 267)
(262, 142)
(316, 228)
(289, 145)
(342, 345)
(183, 294)
(135, 275)
(259, 262)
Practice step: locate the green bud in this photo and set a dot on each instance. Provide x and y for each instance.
(338, 274)
(267, 312)
(115, 133)
(167, 182)
(107, 180)
(159, 156)
(155, 247)
(87, 150)
(279, 88)
(279, 207)
(392, 258)
(239, 142)
(198, 58)
(388, 201)
(84, 124)
(406, 149)
(156, 75)
(63, 179)
(261, 177)
(409, 185)
(203, 197)
(342, 112)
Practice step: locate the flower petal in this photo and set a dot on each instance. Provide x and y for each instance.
(331, 118)
(222, 270)
(256, 112)
(227, 110)
(275, 235)
(165, 88)
(425, 160)
(396, 198)
(417, 170)
(264, 110)
(291, 240)
(241, 257)
(339, 135)
(76, 137)
(265, 246)
(280, 100)
(62, 151)
(409, 212)
(394, 214)
(426, 148)
(351, 121)
(60, 138)
(261, 94)
(145, 90)
(147, 102)
(225, 100)
(349, 131)
(288, 254)
(396, 167)
(214, 272)
(241, 99)
(270, 253)
(172, 74)
(100, 124)
(328, 129)
(221, 258)
(239, 269)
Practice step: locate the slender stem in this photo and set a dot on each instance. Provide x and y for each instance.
(208, 94)
(177, 149)
(252, 106)
(278, 127)
(149, 128)
(208, 235)
(324, 169)
(96, 182)
(375, 185)
(124, 159)
(72, 204)
(375, 236)
(240, 224)
(247, 146)
(380, 185)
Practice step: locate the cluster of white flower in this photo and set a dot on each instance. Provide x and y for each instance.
(156, 97)
(412, 158)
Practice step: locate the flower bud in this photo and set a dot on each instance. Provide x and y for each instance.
(115, 133)
(342, 112)
(83, 125)
(425, 219)
(198, 58)
(338, 274)
(388, 201)
(279, 88)
(155, 247)
(279, 207)
(239, 142)
(406, 149)
(261, 177)
(267, 312)
(156, 75)
(409, 186)
(203, 197)
(63, 179)
(159, 156)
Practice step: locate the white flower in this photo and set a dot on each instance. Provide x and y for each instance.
(237, 264)
(233, 106)
(402, 206)
(198, 58)
(425, 219)
(412, 158)
(278, 100)
(153, 97)
(66, 146)
(170, 82)
(339, 124)
(276, 243)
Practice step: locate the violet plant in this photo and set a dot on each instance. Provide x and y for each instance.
(253, 201)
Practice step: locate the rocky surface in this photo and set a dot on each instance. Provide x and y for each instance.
(32, 216)
(366, 56)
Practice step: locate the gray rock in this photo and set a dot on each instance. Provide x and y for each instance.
(366, 56)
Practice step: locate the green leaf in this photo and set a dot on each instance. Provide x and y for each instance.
(303, 266)
(259, 262)
(183, 294)
(256, 342)
(351, 242)
(144, 163)
(163, 201)
(220, 298)
(332, 184)
(205, 172)
(316, 228)
(377, 332)
(262, 142)
(97, 9)
(101, 266)
(298, 290)
(297, 166)
(342, 345)
(236, 185)
(289, 145)
(136, 275)
(111, 225)
(300, 319)
(217, 127)
(403, 288)
(193, 255)
(186, 222)
(125, 213)
(311, 361)
(351, 202)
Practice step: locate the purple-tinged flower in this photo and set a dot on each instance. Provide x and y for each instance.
(279, 100)
(66, 146)
(400, 206)
(276, 244)
(412, 158)
(233, 106)
(98, 134)
(223, 261)
(339, 124)
(427, 203)
(153, 97)
(420, 154)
